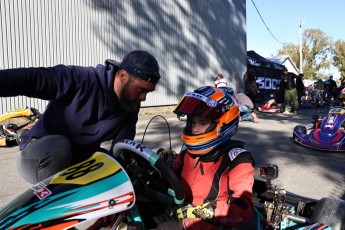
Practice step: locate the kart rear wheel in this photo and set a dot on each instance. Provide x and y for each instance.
(10, 132)
(330, 211)
(300, 128)
(11, 127)
(20, 135)
(36, 113)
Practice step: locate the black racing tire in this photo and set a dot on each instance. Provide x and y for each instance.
(330, 211)
(11, 126)
(300, 128)
(10, 130)
(36, 112)
(20, 134)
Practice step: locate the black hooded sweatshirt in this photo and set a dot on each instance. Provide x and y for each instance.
(83, 105)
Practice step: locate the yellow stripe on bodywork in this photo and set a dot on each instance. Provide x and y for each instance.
(337, 110)
(24, 112)
(2, 141)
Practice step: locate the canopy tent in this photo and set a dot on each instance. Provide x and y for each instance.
(268, 75)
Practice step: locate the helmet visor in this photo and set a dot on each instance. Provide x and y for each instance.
(199, 105)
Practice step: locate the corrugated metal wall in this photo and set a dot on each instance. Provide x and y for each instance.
(193, 40)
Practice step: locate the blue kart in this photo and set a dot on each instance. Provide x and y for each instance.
(325, 133)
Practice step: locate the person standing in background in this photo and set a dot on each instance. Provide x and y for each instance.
(331, 89)
(288, 85)
(300, 87)
(250, 86)
(319, 88)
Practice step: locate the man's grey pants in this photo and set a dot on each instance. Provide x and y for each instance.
(44, 157)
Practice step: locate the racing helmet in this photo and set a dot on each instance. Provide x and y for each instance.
(212, 103)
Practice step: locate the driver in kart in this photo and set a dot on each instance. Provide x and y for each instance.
(217, 174)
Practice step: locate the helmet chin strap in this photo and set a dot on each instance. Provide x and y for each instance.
(196, 160)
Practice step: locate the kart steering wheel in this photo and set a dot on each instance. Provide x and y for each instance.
(142, 162)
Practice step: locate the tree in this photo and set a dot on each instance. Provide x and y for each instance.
(338, 51)
(316, 48)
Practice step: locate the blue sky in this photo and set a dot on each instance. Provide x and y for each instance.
(282, 19)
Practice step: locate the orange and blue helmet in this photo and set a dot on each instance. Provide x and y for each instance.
(212, 103)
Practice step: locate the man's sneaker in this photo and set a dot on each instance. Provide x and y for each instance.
(286, 112)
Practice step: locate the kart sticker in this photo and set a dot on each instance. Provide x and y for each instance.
(337, 110)
(331, 119)
(235, 152)
(69, 205)
(88, 171)
(317, 226)
(41, 190)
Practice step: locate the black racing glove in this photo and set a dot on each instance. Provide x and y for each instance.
(167, 155)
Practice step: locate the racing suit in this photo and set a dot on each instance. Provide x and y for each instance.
(226, 182)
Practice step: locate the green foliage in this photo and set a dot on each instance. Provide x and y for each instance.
(316, 53)
(338, 51)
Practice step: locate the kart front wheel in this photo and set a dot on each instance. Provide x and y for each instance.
(300, 128)
(330, 211)
(20, 134)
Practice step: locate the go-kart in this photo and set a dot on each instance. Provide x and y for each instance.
(270, 107)
(15, 123)
(307, 101)
(310, 100)
(101, 190)
(282, 209)
(107, 190)
(325, 133)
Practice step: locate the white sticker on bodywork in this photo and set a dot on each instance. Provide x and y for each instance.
(235, 152)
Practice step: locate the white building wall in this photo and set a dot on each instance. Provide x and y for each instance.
(193, 40)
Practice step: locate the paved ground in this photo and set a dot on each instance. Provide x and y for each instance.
(303, 171)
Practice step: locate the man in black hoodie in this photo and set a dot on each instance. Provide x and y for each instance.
(87, 106)
(288, 85)
(331, 90)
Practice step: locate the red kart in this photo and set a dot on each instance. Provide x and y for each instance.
(270, 107)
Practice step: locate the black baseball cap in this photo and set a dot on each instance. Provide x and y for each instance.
(141, 64)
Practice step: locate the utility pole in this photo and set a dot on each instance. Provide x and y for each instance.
(301, 21)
